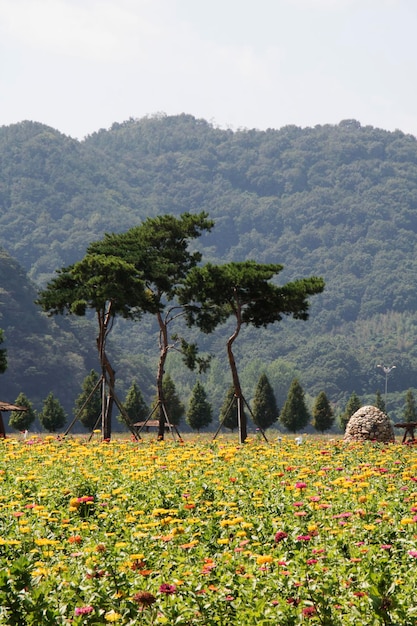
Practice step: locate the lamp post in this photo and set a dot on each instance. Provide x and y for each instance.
(387, 371)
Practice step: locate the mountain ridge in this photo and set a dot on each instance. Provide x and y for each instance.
(339, 201)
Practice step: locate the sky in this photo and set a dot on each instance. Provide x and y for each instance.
(81, 65)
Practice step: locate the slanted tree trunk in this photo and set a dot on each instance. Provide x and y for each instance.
(109, 376)
(163, 353)
(242, 425)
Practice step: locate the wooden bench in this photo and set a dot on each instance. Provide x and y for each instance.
(409, 428)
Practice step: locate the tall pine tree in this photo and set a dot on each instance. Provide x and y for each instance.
(265, 409)
(294, 415)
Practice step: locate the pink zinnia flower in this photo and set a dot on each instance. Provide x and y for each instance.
(280, 535)
(309, 611)
(168, 589)
(83, 610)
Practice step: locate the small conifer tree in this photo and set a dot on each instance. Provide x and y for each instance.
(380, 402)
(52, 416)
(135, 406)
(265, 409)
(353, 405)
(22, 420)
(89, 401)
(410, 409)
(228, 413)
(200, 412)
(173, 405)
(294, 415)
(323, 417)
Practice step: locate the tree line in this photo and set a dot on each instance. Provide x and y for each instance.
(294, 416)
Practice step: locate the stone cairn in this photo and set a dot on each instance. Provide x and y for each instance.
(369, 424)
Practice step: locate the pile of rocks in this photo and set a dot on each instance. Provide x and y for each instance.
(369, 424)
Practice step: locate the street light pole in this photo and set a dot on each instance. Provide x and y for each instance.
(387, 371)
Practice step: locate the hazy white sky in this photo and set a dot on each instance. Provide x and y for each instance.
(80, 65)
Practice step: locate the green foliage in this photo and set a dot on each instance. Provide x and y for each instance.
(353, 405)
(244, 290)
(410, 409)
(199, 412)
(135, 406)
(52, 417)
(22, 420)
(322, 413)
(265, 410)
(99, 282)
(21, 603)
(88, 403)
(294, 414)
(228, 416)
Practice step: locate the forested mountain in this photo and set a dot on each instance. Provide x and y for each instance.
(40, 353)
(334, 201)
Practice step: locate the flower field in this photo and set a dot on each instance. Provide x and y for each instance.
(207, 532)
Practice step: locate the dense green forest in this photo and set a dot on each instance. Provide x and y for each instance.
(338, 202)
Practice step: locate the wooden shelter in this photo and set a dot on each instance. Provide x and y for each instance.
(6, 406)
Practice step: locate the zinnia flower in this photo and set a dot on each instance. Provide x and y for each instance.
(309, 611)
(264, 558)
(83, 610)
(112, 616)
(145, 598)
(280, 535)
(168, 589)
